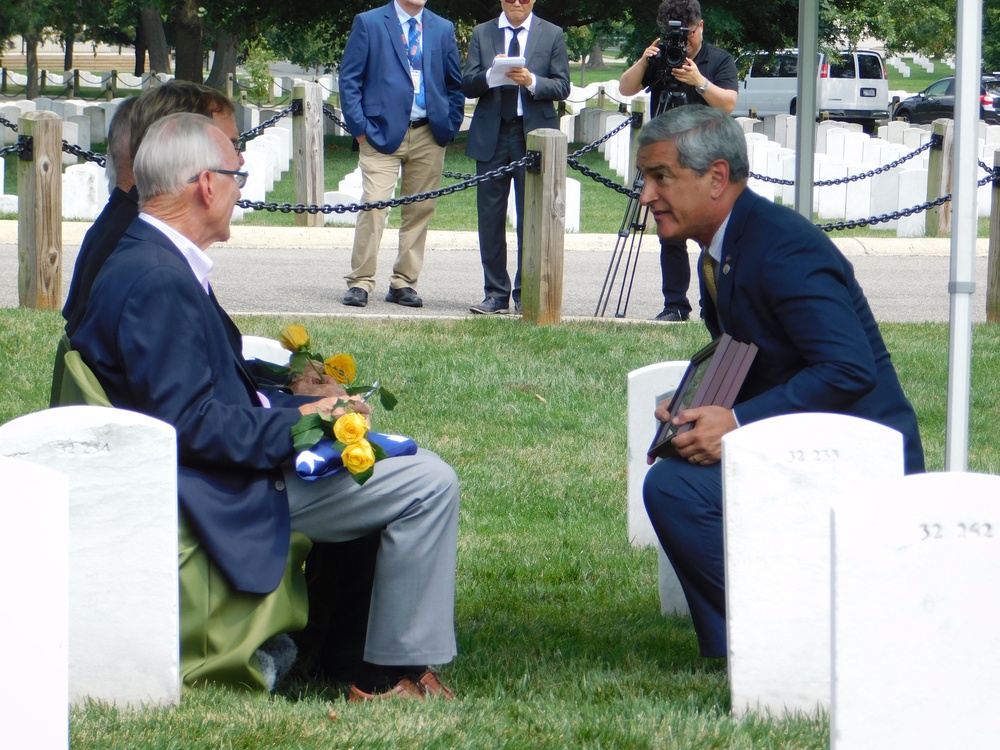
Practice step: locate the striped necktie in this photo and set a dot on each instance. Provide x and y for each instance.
(415, 54)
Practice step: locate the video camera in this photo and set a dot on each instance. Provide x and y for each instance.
(673, 45)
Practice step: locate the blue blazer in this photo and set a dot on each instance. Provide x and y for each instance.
(161, 346)
(376, 92)
(545, 56)
(786, 287)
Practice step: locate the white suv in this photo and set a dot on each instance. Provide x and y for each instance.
(852, 86)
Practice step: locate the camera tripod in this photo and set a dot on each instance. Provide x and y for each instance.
(633, 225)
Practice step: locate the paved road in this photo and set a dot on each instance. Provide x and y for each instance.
(300, 271)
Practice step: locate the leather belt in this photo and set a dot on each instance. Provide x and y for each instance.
(419, 123)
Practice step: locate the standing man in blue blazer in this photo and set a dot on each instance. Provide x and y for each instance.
(504, 114)
(401, 93)
(770, 277)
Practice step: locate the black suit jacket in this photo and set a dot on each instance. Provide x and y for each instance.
(161, 346)
(545, 56)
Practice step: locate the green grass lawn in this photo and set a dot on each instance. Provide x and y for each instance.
(560, 637)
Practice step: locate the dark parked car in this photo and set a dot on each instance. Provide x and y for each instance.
(938, 100)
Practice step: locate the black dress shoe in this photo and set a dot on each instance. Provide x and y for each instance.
(405, 296)
(672, 316)
(490, 306)
(356, 297)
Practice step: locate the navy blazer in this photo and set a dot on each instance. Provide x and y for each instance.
(376, 92)
(545, 56)
(785, 286)
(161, 346)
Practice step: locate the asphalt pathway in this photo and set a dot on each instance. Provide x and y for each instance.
(300, 272)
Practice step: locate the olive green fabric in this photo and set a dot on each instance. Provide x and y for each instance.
(223, 652)
(220, 628)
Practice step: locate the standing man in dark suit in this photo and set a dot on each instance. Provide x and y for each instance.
(707, 76)
(504, 114)
(401, 93)
(159, 343)
(770, 277)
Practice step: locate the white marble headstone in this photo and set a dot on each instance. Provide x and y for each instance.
(34, 630)
(780, 478)
(916, 615)
(647, 387)
(123, 595)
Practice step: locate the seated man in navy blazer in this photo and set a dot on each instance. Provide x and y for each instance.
(504, 114)
(770, 277)
(160, 344)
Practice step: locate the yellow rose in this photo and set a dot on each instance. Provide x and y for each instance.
(350, 428)
(294, 338)
(341, 368)
(358, 457)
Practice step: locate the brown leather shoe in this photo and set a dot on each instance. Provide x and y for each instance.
(405, 688)
(433, 687)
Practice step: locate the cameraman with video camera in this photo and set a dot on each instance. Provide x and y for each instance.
(681, 68)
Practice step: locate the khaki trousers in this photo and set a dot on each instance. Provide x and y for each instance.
(422, 161)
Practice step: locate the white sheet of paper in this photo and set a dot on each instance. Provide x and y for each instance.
(499, 69)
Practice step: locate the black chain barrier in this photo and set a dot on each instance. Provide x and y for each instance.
(329, 113)
(530, 161)
(13, 148)
(69, 148)
(572, 159)
(254, 132)
(4, 121)
(934, 142)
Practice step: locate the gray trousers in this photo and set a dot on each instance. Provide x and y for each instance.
(414, 500)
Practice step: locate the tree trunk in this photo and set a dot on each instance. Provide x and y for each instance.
(596, 61)
(188, 33)
(225, 59)
(31, 60)
(68, 36)
(154, 41)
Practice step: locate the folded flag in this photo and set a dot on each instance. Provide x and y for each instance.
(323, 460)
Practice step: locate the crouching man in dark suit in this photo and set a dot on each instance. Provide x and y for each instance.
(496, 135)
(770, 277)
(160, 344)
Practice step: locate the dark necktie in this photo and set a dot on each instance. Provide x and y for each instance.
(414, 53)
(708, 272)
(508, 94)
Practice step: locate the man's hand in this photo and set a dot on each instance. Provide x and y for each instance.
(520, 76)
(333, 405)
(702, 444)
(312, 383)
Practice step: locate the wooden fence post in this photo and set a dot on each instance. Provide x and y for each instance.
(938, 219)
(993, 263)
(544, 229)
(307, 134)
(39, 212)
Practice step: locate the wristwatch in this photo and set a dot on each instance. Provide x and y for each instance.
(704, 87)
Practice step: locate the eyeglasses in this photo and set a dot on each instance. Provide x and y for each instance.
(519, 2)
(240, 177)
(239, 145)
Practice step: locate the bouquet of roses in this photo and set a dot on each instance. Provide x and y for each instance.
(324, 443)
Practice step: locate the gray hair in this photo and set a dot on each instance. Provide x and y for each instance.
(173, 150)
(119, 133)
(701, 135)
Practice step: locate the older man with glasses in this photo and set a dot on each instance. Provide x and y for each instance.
(160, 344)
(521, 101)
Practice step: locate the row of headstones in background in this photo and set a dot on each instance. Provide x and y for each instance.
(123, 608)
(843, 150)
(97, 79)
